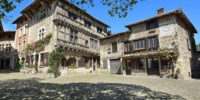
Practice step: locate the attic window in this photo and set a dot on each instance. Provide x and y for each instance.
(87, 23)
(72, 15)
(99, 29)
(152, 25)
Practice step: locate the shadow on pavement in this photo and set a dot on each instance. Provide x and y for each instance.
(32, 89)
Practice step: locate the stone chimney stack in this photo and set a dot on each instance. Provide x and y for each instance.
(109, 33)
(160, 11)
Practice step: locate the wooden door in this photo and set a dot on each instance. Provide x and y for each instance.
(115, 66)
(152, 66)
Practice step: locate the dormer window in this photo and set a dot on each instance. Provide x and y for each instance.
(72, 15)
(42, 14)
(99, 29)
(152, 25)
(87, 23)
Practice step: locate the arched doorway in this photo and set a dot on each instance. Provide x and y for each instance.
(72, 62)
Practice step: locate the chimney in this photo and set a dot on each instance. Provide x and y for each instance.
(109, 33)
(160, 11)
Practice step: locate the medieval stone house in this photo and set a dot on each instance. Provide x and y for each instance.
(155, 46)
(8, 55)
(68, 27)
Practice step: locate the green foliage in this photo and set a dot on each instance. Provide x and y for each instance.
(55, 59)
(39, 45)
(6, 6)
(87, 66)
(32, 66)
(198, 47)
(50, 70)
(19, 65)
(178, 71)
(116, 7)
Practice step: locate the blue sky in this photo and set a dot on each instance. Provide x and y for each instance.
(141, 11)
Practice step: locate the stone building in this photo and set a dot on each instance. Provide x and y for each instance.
(67, 27)
(8, 55)
(156, 46)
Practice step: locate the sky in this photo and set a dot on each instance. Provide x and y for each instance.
(141, 11)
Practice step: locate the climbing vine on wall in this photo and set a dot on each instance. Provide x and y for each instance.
(39, 45)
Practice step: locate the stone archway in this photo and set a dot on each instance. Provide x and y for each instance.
(72, 61)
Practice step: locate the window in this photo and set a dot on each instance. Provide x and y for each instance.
(72, 15)
(25, 29)
(73, 36)
(141, 64)
(86, 43)
(24, 45)
(114, 47)
(152, 25)
(109, 49)
(153, 42)
(9, 48)
(189, 44)
(164, 63)
(139, 44)
(93, 43)
(20, 32)
(1, 47)
(42, 14)
(41, 34)
(99, 29)
(7, 45)
(128, 46)
(19, 46)
(87, 23)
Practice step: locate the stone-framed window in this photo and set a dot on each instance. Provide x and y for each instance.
(99, 29)
(152, 25)
(72, 15)
(86, 42)
(93, 43)
(153, 42)
(20, 32)
(109, 49)
(165, 64)
(24, 45)
(41, 34)
(114, 47)
(87, 23)
(19, 46)
(139, 44)
(127, 46)
(25, 29)
(189, 44)
(73, 36)
(42, 14)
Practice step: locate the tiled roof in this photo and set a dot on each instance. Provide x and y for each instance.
(116, 34)
(37, 2)
(177, 12)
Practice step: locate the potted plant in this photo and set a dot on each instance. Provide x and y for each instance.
(178, 71)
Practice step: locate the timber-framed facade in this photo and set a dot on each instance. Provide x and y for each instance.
(72, 29)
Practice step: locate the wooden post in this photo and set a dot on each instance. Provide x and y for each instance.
(159, 60)
(145, 64)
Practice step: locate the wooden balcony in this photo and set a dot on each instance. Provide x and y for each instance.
(64, 20)
(76, 47)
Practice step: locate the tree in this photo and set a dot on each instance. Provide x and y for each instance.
(6, 6)
(116, 7)
(55, 59)
(198, 47)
